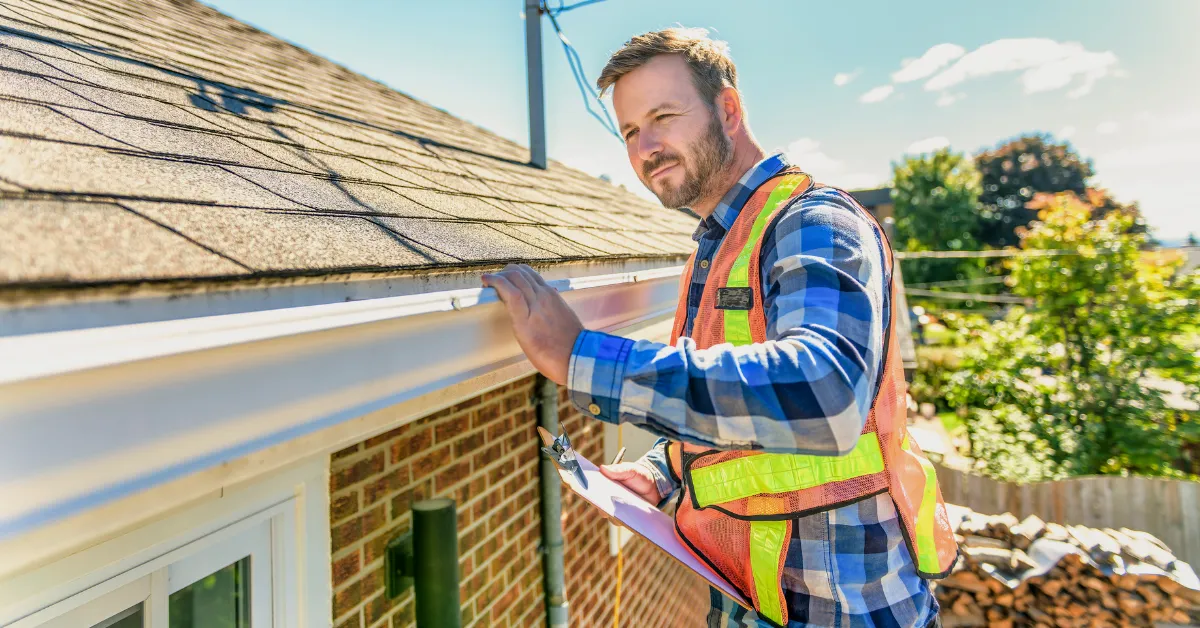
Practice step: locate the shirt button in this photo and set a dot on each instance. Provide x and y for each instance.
(703, 263)
(594, 409)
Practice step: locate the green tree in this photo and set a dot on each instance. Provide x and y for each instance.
(936, 199)
(1014, 172)
(1191, 240)
(1074, 384)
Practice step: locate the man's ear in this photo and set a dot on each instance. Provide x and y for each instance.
(729, 109)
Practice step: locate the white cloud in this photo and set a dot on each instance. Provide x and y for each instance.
(946, 98)
(1106, 127)
(1046, 64)
(934, 59)
(841, 79)
(877, 94)
(1066, 132)
(927, 145)
(807, 154)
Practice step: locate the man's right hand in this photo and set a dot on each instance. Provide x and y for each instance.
(634, 477)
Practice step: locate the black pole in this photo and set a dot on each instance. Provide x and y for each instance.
(533, 69)
(435, 564)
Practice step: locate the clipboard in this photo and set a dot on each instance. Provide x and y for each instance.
(622, 506)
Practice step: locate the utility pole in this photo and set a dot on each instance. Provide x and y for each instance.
(537, 101)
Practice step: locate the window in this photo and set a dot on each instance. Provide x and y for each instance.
(235, 562)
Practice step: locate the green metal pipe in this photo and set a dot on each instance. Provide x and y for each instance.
(557, 608)
(435, 564)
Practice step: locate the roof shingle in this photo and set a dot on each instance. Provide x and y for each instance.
(161, 140)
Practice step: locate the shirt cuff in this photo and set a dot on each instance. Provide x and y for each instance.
(655, 461)
(596, 373)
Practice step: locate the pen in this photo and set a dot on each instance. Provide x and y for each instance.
(618, 457)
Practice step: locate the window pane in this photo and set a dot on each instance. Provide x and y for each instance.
(219, 600)
(132, 617)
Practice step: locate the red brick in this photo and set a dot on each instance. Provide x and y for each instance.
(404, 617)
(452, 428)
(451, 475)
(468, 444)
(347, 452)
(391, 482)
(343, 506)
(372, 582)
(499, 429)
(502, 605)
(470, 490)
(487, 414)
(511, 403)
(373, 519)
(374, 548)
(347, 598)
(469, 403)
(353, 621)
(346, 534)
(417, 443)
(488, 455)
(377, 608)
(387, 436)
(344, 568)
(425, 465)
(356, 472)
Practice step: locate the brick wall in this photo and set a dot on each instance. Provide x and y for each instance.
(483, 454)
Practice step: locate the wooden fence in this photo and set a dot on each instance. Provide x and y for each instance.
(1168, 509)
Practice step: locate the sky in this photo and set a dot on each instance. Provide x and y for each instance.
(845, 88)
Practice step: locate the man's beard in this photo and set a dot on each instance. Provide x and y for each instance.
(701, 169)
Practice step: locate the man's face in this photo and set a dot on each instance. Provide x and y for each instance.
(675, 142)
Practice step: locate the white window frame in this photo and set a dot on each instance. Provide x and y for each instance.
(280, 522)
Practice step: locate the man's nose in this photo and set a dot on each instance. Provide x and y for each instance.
(648, 145)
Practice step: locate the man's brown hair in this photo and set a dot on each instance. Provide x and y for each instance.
(712, 68)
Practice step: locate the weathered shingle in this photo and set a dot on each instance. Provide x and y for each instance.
(196, 147)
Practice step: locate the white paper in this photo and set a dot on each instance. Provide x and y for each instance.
(624, 506)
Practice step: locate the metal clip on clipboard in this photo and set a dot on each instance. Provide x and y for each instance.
(559, 450)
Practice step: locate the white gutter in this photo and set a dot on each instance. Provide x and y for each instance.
(91, 416)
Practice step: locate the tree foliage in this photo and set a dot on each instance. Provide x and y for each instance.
(936, 200)
(1073, 385)
(1014, 172)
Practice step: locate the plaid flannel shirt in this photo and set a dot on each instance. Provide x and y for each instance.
(808, 389)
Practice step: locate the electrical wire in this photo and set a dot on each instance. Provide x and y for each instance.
(906, 255)
(965, 296)
(576, 64)
(563, 9)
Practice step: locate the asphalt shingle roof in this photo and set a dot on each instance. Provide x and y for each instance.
(162, 140)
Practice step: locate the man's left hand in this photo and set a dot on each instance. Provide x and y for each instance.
(545, 326)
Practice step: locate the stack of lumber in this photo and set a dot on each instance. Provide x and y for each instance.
(1033, 573)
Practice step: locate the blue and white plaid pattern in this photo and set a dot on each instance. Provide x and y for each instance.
(807, 389)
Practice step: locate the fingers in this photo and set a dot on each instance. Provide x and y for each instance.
(527, 286)
(534, 277)
(512, 297)
(619, 472)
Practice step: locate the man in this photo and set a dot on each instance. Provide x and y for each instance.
(795, 478)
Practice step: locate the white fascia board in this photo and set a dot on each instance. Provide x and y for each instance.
(91, 416)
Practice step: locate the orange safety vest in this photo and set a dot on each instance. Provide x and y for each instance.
(736, 508)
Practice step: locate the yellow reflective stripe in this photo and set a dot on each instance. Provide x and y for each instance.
(766, 544)
(782, 473)
(737, 322)
(927, 556)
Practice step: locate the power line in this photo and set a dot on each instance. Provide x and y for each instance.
(576, 64)
(563, 9)
(978, 254)
(965, 296)
(958, 282)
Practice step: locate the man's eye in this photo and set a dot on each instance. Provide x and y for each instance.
(662, 117)
(629, 135)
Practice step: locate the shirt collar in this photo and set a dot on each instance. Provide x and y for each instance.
(731, 204)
